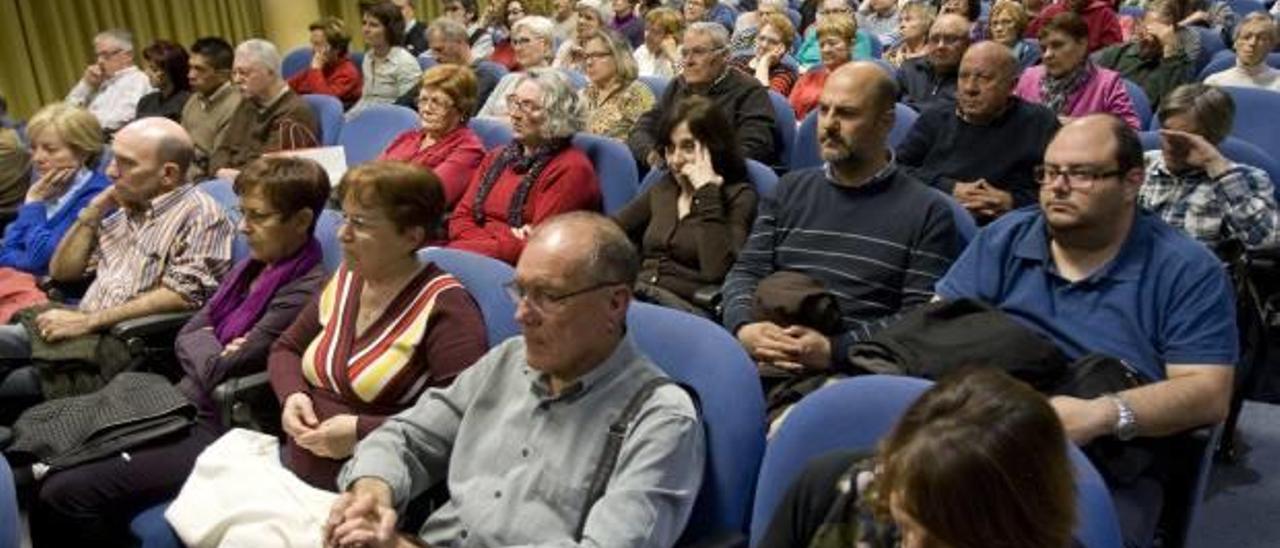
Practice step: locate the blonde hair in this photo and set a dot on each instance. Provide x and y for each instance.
(782, 24)
(74, 126)
(841, 26)
(1015, 10)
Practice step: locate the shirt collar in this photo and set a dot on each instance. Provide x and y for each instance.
(120, 75)
(267, 106)
(217, 95)
(163, 203)
(875, 182)
(1033, 245)
(623, 354)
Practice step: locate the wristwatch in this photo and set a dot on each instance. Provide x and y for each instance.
(1126, 420)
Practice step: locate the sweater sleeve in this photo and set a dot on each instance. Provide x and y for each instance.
(1119, 104)
(284, 365)
(755, 122)
(914, 150)
(755, 262)
(29, 241)
(457, 170)
(724, 219)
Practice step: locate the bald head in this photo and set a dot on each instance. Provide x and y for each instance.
(949, 37)
(170, 142)
(992, 56)
(867, 79)
(985, 83)
(590, 244)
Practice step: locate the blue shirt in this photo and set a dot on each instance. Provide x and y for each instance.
(1164, 298)
(30, 240)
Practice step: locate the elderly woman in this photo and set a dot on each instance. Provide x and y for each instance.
(593, 15)
(331, 71)
(614, 99)
(696, 11)
(384, 329)
(809, 53)
(659, 55)
(691, 224)
(1008, 22)
(166, 66)
(968, 9)
(834, 36)
(389, 70)
(1068, 82)
(772, 42)
(280, 198)
(913, 27)
(1255, 38)
(444, 144)
(501, 23)
(537, 176)
(534, 41)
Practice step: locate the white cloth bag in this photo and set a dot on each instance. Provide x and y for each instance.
(240, 495)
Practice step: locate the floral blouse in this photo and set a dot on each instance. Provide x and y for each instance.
(614, 114)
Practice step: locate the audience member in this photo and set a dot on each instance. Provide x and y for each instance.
(415, 33)
(1008, 26)
(1215, 15)
(747, 24)
(835, 34)
(626, 23)
(1154, 59)
(331, 72)
(536, 177)
(913, 27)
(971, 11)
(1196, 189)
(339, 373)
(880, 18)
(91, 503)
(614, 98)
(270, 116)
(389, 70)
(930, 81)
(465, 13)
(567, 379)
(151, 242)
(659, 55)
(166, 66)
(809, 52)
(1034, 8)
(985, 150)
(444, 144)
(766, 62)
(215, 99)
(66, 145)
(1256, 37)
(697, 11)
(593, 15)
(690, 225)
(111, 87)
(1168, 315)
(872, 235)
(979, 459)
(1068, 82)
(449, 45)
(501, 18)
(1099, 17)
(15, 168)
(534, 41)
(706, 72)
(565, 18)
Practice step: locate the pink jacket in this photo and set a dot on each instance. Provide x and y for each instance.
(1105, 92)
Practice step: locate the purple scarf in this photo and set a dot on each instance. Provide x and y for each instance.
(234, 309)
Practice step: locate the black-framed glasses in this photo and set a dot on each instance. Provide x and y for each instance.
(541, 300)
(1078, 178)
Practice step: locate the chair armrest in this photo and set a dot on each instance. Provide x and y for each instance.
(248, 402)
(707, 297)
(154, 325)
(64, 292)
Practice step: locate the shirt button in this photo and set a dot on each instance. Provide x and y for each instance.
(524, 452)
(653, 279)
(497, 494)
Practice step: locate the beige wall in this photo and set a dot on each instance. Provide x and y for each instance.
(285, 21)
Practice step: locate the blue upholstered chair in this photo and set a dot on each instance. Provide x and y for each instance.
(328, 111)
(369, 132)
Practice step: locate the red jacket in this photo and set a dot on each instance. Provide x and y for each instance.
(340, 79)
(453, 158)
(1104, 25)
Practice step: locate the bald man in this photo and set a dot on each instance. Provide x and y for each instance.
(874, 236)
(984, 150)
(526, 425)
(930, 81)
(152, 242)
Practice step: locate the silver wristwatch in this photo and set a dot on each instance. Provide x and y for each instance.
(1126, 419)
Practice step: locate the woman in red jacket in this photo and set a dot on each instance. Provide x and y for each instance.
(331, 71)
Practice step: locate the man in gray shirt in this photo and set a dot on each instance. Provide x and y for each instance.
(519, 435)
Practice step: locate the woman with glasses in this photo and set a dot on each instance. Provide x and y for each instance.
(691, 224)
(384, 329)
(444, 144)
(535, 177)
(533, 38)
(500, 22)
(389, 70)
(772, 42)
(913, 27)
(659, 55)
(614, 99)
(809, 52)
(1067, 81)
(592, 16)
(1008, 22)
(280, 200)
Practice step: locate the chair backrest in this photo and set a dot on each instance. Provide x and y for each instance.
(807, 153)
(615, 169)
(483, 277)
(1244, 7)
(854, 414)
(1141, 103)
(762, 177)
(1135, 12)
(426, 61)
(497, 69)
(966, 227)
(296, 61)
(657, 85)
(1235, 150)
(357, 57)
(327, 234)
(877, 48)
(367, 133)
(784, 123)
(1220, 62)
(223, 192)
(328, 111)
(1255, 117)
(492, 133)
(704, 357)
(10, 530)
(1210, 44)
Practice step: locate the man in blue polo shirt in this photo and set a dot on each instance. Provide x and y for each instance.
(1092, 272)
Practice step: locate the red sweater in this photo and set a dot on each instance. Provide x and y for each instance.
(1104, 25)
(568, 183)
(453, 158)
(340, 79)
(805, 94)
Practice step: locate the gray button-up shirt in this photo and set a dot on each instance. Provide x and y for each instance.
(524, 458)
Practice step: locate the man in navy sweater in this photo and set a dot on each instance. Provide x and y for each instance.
(984, 149)
(877, 238)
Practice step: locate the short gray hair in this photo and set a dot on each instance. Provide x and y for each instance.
(611, 258)
(564, 110)
(1211, 110)
(261, 52)
(539, 26)
(120, 37)
(718, 34)
(1255, 18)
(449, 30)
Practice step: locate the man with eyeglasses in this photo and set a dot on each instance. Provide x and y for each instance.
(448, 43)
(930, 81)
(519, 435)
(1094, 273)
(111, 87)
(707, 72)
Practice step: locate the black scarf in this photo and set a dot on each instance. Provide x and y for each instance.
(531, 165)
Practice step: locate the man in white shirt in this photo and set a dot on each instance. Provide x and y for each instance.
(1256, 36)
(111, 86)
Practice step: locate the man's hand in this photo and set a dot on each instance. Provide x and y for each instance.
(298, 416)
(815, 348)
(1196, 151)
(105, 202)
(61, 324)
(335, 438)
(1085, 420)
(94, 75)
(1167, 35)
(768, 342)
(363, 516)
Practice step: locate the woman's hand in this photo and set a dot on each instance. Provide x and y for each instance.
(51, 185)
(319, 56)
(335, 438)
(669, 48)
(298, 416)
(699, 171)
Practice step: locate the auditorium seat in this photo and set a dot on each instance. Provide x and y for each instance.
(328, 112)
(1141, 103)
(366, 134)
(615, 169)
(784, 134)
(297, 60)
(759, 175)
(492, 133)
(483, 277)
(657, 85)
(10, 528)
(1227, 59)
(807, 153)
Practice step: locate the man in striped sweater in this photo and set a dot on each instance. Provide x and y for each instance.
(875, 237)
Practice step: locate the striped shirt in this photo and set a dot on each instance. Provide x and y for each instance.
(879, 247)
(1239, 204)
(182, 242)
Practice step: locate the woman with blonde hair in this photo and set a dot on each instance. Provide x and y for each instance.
(913, 27)
(613, 99)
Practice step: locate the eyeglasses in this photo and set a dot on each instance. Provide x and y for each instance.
(521, 41)
(435, 102)
(1078, 178)
(595, 56)
(359, 223)
(256, 218)
(541, 300)
(523, 105)
(836, 11)
(106, 54)
(700, 52)
(948, 39)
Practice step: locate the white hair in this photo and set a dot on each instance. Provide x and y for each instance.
(121, 38)
(718, 34)
(261, 52)
(565, 111)
(537, 25)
